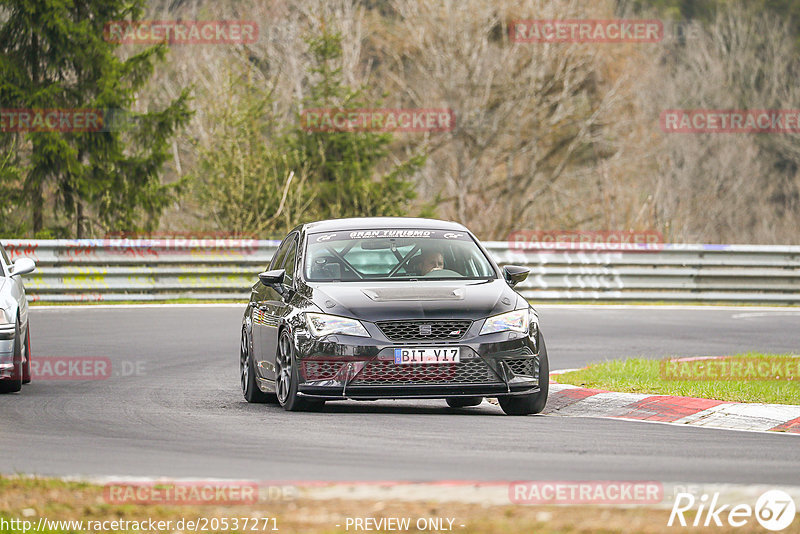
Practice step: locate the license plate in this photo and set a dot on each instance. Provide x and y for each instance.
(427, 355)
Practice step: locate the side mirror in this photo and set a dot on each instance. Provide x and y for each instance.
(22, 266)
(272, 278)
(514, 274)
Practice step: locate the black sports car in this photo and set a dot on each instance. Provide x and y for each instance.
(380, 308)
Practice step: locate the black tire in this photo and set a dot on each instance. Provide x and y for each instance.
(287, 378)
(247, 374)
(463, 402)
(26, 367)
(535, 402)
(14, 384)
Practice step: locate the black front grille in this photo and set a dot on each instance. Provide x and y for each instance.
(320, 369)
(424, 330)
(523, 366)
(379, 372)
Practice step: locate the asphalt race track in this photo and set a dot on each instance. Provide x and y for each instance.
(173, 407)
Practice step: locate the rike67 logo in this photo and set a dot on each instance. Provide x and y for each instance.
(774, 510)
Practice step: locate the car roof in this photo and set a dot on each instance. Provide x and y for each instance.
(373, 223)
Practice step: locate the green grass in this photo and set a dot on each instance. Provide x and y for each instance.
(638, 375)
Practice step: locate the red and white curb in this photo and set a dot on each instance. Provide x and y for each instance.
(568, 400)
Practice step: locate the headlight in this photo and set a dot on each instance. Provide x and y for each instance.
(515, 321)
(321, 325)
(533, 324)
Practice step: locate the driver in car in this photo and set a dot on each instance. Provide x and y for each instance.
(430, 260)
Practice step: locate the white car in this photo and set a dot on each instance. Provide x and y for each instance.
(15, 341)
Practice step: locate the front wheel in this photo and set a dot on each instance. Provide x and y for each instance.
(26, 367)
(535, 402)
(14, 384)
(247, 374)
(287, 378)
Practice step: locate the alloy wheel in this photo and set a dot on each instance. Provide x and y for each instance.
(283, 369)
(244, 363)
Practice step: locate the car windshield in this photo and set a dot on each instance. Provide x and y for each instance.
(395, 254)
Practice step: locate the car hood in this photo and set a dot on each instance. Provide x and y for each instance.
(415, 300)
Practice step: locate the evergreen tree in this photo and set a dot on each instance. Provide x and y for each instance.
(10, 194)
(262, 176)
(248, 181)
(343, 165)
(54, 55)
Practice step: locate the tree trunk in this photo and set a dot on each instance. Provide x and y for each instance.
(79, 217)
(37, 204)
(38, 190)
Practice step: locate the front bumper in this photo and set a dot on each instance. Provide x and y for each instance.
(7, 333)
(436, 391)
(347, 367)
(7, 330)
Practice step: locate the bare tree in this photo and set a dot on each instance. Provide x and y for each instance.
(532, 118)
(548, 135)
(727, 187)
(278, 62)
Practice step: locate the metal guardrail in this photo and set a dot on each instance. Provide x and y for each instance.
(142, 269)
(160, 269)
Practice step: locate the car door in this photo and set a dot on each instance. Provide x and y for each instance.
(270, 307)
(14, 287)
